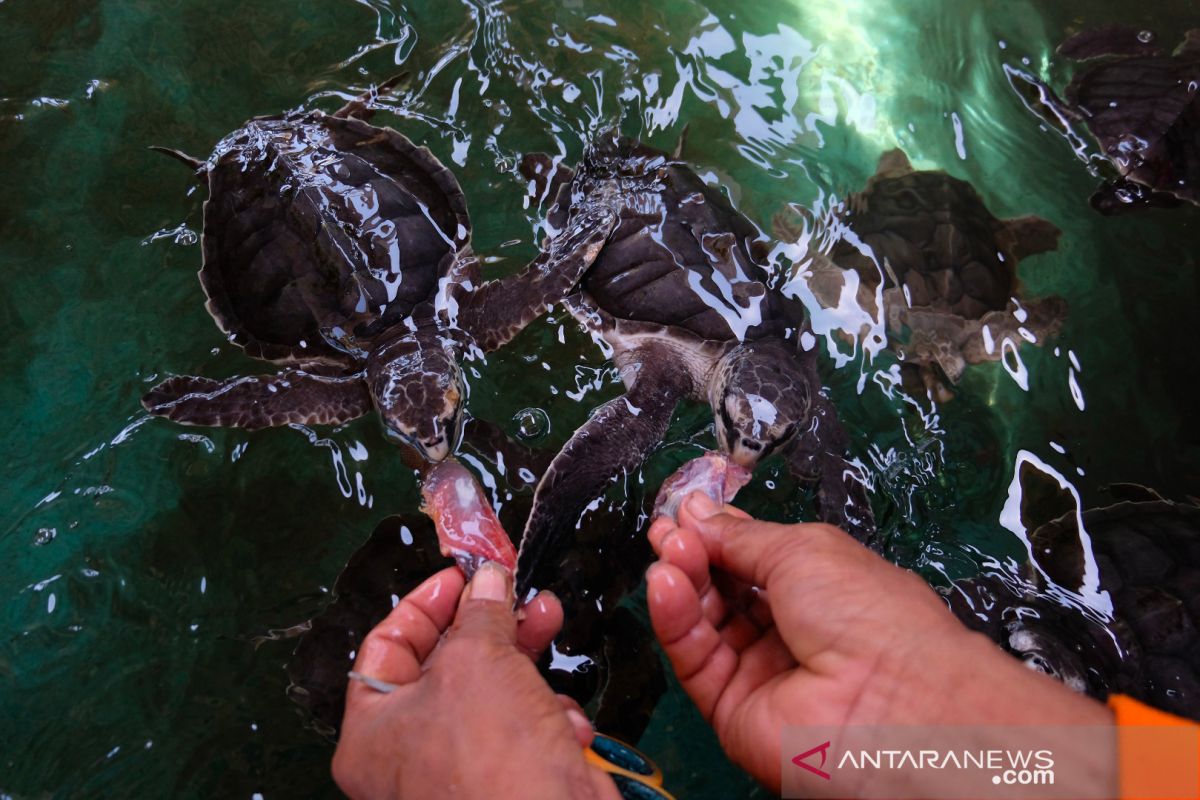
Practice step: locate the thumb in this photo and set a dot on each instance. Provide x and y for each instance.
(485, 613)
(746, 548)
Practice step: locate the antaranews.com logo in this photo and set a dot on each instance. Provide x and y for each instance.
(1007, 767)
(1067, 762)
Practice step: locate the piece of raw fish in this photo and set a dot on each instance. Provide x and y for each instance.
(711, 473)
(467, 527)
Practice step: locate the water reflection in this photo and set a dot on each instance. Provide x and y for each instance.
(787, 102)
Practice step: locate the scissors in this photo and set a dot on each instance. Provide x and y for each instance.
(636, 776)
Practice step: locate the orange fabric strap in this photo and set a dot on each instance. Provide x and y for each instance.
(1132, 712)
(1158, 753)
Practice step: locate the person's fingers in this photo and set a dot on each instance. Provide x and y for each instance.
(759, 663)
(543, 619)
(684, 549)
(485, 613)
(734, 511)
(658, 531)
(395, 648)
(739, 632)
(749, 549)
(580, 724)
(703, 663)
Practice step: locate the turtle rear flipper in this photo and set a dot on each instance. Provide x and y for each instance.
(842, 497)
(614, 441)
(498, 310)
(260, 401)
(196, 164)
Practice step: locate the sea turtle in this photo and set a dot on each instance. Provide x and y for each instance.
(1141, 555)
(1142, 104)
(925, 245)
(341, 250)
(680, 295)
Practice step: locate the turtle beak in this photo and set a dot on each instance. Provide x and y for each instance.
(745, 453)
(432, 450)
(445, 439)
(435, 449)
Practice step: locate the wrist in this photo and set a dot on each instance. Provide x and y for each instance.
(954, 676)
(986, 680)
(958, 691)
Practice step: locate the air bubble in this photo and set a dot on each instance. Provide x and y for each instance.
(532, 423)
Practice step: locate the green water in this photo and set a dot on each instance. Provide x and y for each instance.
(141, 558)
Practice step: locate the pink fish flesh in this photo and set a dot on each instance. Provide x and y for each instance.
(711, 473)
(467, 527)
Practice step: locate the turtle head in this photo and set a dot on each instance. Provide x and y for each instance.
(418, 387)
(760, 396)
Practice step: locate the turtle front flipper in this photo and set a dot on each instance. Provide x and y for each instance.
(498, 310)
(260, 401)
(616, 439)
(547, 178)
(818, 454)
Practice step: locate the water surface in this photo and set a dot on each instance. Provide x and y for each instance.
(144, 561)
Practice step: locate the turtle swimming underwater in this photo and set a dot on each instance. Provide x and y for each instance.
(1145, 555)
(943, 266)
(341, 250)
(680, 295)
(1143, 106)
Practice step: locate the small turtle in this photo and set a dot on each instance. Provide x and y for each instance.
(680, 295)
(1143, 552)
(341, 250)
(944, 267)
(1143, 106)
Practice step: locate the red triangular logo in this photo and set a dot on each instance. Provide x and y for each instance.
(823, 749)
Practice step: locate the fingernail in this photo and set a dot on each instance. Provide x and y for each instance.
(671, 542)
(542, 600)
(490, 583)
(578, 720)
(701, 506)
(657, 567)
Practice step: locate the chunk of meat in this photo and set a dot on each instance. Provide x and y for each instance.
(467, 527)
(712, 473)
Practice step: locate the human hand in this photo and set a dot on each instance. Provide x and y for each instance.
(833, 635)
(470, 715)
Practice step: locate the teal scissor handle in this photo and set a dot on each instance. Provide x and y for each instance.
(636, 776)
